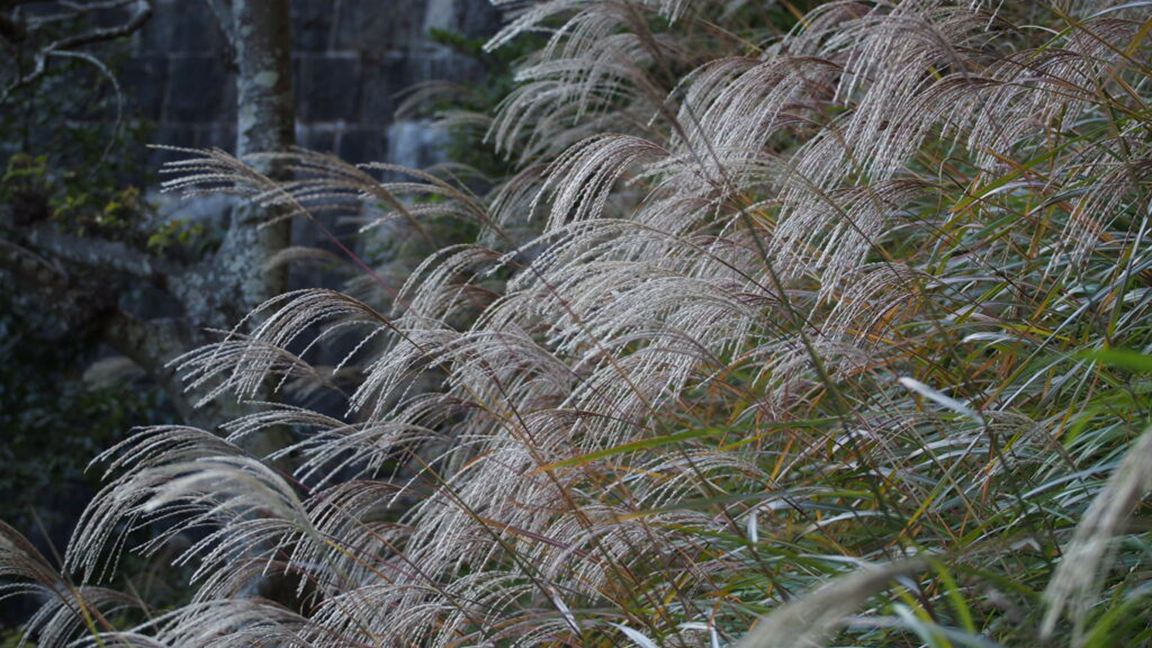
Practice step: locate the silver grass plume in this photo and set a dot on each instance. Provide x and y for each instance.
(814, 619)
(661, 411)
(1091, 551)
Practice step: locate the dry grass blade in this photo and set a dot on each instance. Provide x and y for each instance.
(1088, 556)
(814, 618)
(809, 292)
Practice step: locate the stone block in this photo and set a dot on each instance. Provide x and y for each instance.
(384, 77)
(195, 89)
(471, 18)
(228, 98)
(398, 72)
(329, 87)
(478, 19)
(361, 144)
(440, 14)
(218, 135)
(144, 79)
(109, 17)
(416, 144)
(182, 27)
(374, 27)
(315, 138)
(312, 24)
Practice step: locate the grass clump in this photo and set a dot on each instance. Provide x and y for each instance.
(843, 325)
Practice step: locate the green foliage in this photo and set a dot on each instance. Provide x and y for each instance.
(52, 422)
(465, 144)
(75, 151)
(74, 159)
(32, 191)
(25, 169)
(845, 327)
(177, 232)
(14, 638)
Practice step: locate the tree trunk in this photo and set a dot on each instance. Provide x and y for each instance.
(266, 123)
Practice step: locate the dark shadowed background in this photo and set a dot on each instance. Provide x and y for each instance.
(74, 146)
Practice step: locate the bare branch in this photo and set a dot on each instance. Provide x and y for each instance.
(99, 254)
(142, 13)
(74, 9)
(151, 344)
(141, 16)
(29, 267)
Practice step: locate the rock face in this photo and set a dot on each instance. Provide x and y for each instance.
(351, 58)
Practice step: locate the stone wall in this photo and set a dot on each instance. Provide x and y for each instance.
(351, 58)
